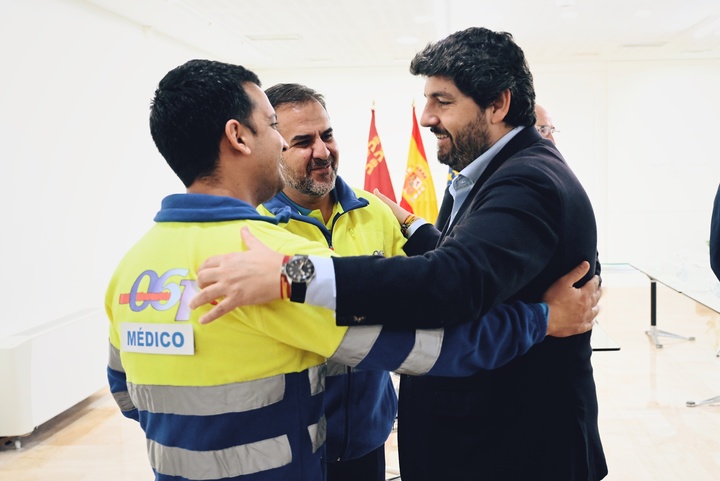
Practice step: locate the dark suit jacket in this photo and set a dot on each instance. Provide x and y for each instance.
(715, 236)
(527, 222)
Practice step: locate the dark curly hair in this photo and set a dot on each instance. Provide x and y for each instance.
(482, 64)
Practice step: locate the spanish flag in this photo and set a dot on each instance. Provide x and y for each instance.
(376, 171)
(418, 194)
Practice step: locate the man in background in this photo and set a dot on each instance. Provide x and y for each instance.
(360, 406)
(544, 123)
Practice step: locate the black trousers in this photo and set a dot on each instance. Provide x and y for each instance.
(370, 467)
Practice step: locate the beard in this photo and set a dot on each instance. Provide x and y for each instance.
(470, 143)
(305, 183)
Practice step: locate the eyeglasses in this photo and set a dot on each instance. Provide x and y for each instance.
(546, 130)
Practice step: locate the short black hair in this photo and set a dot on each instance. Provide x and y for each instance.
(190, 109)
(290, 93)
(482, 64)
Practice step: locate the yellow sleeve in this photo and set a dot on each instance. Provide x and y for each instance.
(383, 215)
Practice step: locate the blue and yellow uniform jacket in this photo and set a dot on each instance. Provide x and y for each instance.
(360, 406)
(242, 397)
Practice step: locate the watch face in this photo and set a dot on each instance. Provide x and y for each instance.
(300, 269)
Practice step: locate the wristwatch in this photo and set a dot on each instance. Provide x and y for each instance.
(299, 271)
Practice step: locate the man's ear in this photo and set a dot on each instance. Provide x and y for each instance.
(238, 135)
(500, 107)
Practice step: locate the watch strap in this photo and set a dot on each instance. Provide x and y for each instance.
(298, 291)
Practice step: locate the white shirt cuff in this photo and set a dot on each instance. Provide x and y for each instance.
(419, 222)
(321, 290)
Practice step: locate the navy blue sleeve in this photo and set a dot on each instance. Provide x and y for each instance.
(504, 333)
(118, 388)
(507, 331)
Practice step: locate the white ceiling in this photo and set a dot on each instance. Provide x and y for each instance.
(347, 33)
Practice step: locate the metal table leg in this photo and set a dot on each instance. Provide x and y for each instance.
(654, 333)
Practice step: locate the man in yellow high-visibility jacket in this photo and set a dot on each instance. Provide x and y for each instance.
(360, 406)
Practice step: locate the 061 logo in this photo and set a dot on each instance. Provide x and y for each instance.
(162, 292)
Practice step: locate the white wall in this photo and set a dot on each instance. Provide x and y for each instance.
(663, 165)
(85, 179)
(641, 137)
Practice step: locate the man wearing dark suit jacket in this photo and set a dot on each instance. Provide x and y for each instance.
(514, 220)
